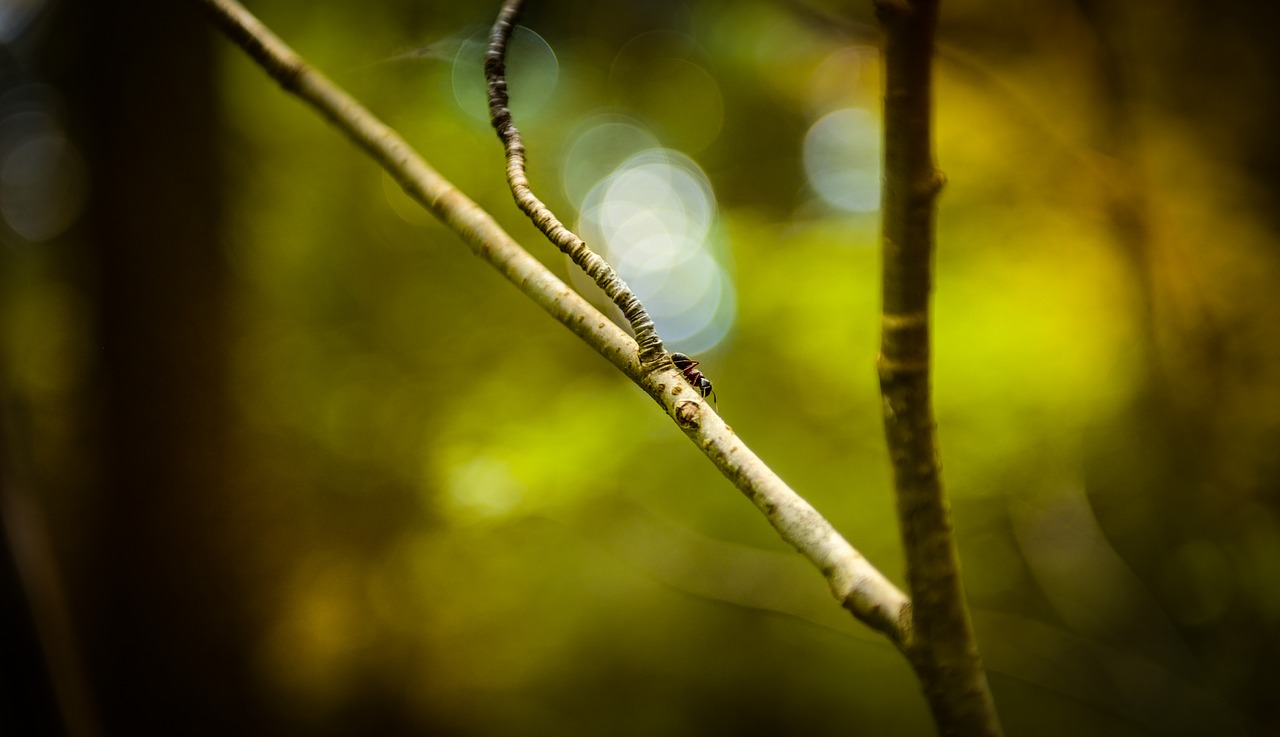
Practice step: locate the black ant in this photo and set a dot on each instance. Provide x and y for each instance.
(688, 367)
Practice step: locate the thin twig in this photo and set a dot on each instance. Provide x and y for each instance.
(855, 583)
(942, 650)
(651, 351)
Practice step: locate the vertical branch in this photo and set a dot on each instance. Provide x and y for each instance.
(652, 353)
(942, 649)
(859, 587)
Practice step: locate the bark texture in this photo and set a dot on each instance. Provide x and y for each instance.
(941, 646)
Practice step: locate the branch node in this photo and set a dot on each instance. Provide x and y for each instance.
(911, 321)
(891, 370)
(939, 181)
(291, 75)
(688, 415)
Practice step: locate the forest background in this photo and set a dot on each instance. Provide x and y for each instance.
(284, 457)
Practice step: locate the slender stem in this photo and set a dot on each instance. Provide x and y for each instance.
(651, 350)
(942, 650)
(855, 583)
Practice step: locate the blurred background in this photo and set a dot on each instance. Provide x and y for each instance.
(279, 456)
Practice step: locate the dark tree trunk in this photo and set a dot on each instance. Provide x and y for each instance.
(159, 612)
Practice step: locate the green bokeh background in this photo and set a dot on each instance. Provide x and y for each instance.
(429, 509)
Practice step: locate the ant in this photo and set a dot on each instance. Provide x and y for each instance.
(700, 383)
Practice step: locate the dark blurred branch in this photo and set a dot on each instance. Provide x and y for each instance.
(652, 354)
(46, 691)
(859, 587)
(1173, 298)
(942, 648)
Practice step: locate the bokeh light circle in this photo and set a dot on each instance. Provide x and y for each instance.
(842, 159)
(662, 77)
(43, 177)
(532, 73)
(836, 83)
(653, 218)
(597, 148)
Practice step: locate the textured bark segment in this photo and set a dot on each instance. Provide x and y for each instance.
(942, 647)
(651, 351)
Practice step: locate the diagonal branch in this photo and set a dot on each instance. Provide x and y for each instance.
(651, 351)
(943, 650)
(855, 583)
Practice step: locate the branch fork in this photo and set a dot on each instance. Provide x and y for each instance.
(853, 581)
(935, 632)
